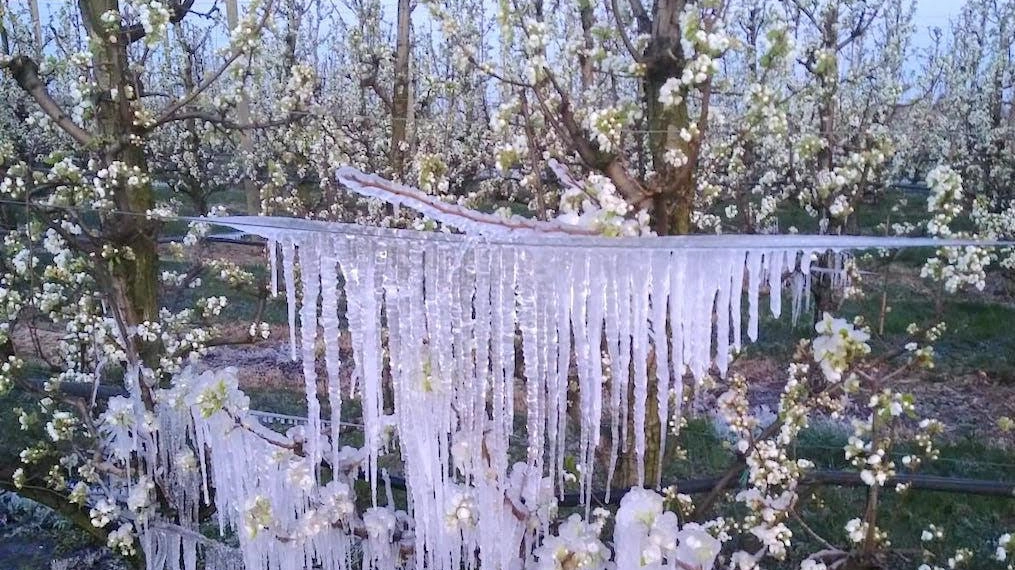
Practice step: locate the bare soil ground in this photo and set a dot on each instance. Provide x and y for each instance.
(969, 405)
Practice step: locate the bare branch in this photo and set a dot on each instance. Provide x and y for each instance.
(25, 72)
(173, 108)
(370, 80)
(623, 33)
(610, 165)
(644, 22)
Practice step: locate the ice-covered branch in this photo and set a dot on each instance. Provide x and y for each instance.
(466, 220)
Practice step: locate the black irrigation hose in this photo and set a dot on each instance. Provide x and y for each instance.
(920, 481)
(231, 238)
(702, 485)
(834, 478)
(82, 389)
(827, 477)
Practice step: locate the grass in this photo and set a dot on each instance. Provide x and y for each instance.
(968, 521)
(978, 338)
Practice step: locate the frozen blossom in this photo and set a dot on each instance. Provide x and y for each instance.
(838, 343)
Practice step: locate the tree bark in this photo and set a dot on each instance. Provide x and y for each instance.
(250, 190)
(33, 8)
(400, 99)
(673, 188)
(134, 279)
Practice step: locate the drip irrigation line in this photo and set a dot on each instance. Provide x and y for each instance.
(825, 477)
(956, 485)
(838, 478)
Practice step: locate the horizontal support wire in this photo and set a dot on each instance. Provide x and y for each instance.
(685, 242)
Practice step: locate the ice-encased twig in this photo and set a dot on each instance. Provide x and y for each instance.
(465, 219)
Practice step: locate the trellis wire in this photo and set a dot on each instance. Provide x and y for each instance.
(705, 241)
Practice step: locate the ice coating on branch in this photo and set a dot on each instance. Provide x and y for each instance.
(563, 174)
(466, 220)
(265, 488)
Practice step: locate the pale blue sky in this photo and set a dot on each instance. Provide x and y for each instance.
(929, 13)
(934, 13)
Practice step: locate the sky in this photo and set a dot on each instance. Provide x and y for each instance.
(929, 13)
(933, 13)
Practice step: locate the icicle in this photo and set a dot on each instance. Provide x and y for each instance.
(640, 354)
(289, 273)
(557, 398)
(529, 315)
(797, 283)
(725, 263)
(776, 261)
(678, 290)
(310, 259)
(698, 341)
(754, 268)
(660, 291)
(189, 554)
(805, 270)
(359, 259)
(587, 322)
(483, 311)
(332, 333)
(583, 359)
(271, 248)
(618, 379)
(737, 298)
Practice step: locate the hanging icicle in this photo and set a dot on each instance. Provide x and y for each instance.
(437, 322)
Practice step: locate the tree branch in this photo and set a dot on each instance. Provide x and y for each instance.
(370, 80)
(25, 72)
(623, 33)
(169, 112)
(177, 10)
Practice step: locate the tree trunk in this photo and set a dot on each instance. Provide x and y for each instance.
(33, 8)
(400, 98)
(674, 186)
(672, 201)
(134, 280)
(250, 190)
(825, 299)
